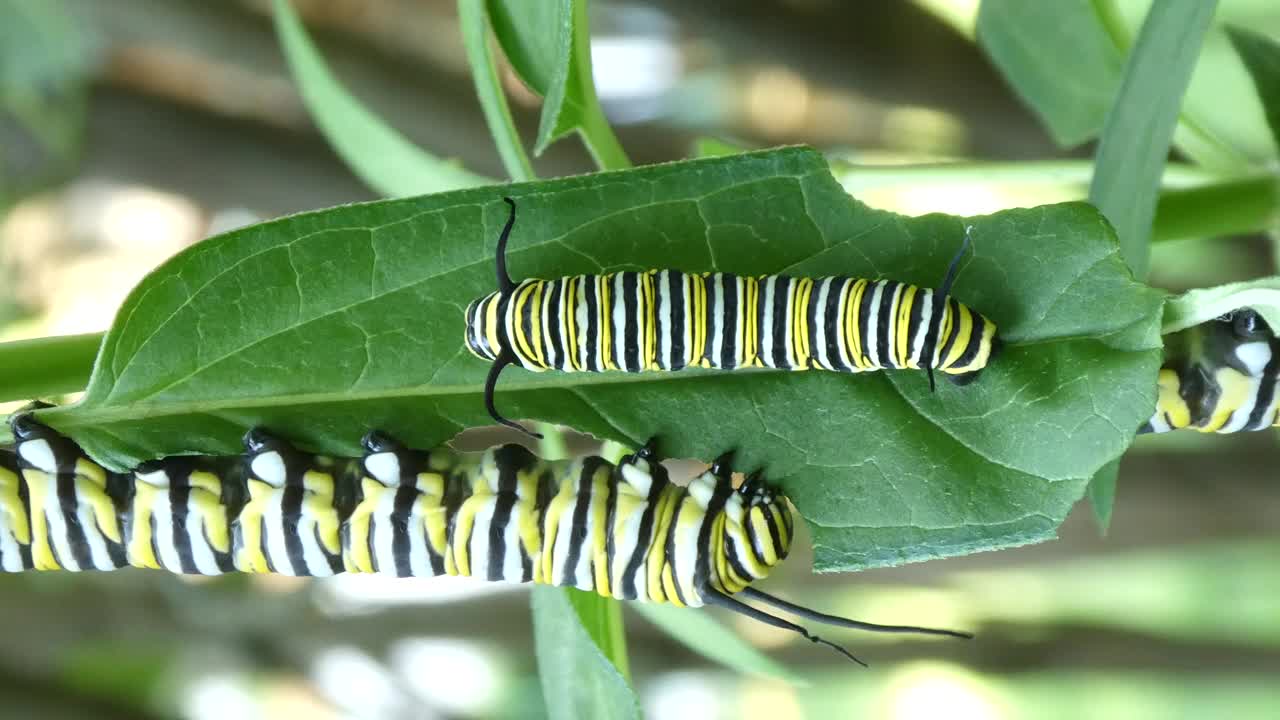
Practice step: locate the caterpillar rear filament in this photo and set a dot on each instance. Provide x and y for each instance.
(669, 320)
(624, 531)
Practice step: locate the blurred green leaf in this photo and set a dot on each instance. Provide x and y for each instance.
(325, 324)
(1221, 592)
(43, 67)
(474, 18)
(1261, 55)
(1102, 494)
(1059, 57)
(578, 680)
(1065, 59)
(700, 632)
(1135, 138)
(1198, 306)
(549, 44)
(375, 152)
(45, 367)
(126, 673)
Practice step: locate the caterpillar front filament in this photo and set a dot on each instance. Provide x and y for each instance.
(624, 531)
(669, 320)
(1221, 376)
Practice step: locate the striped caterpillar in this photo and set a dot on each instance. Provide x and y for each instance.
(669, 320)
(1225, 379)
(622, 530)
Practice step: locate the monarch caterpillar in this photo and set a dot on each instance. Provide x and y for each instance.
(669, 320)
(1224, 379)
(622, 530)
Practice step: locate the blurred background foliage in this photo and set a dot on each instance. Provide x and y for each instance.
(131, 129)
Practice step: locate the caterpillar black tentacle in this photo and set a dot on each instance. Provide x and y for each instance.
(1222, 376)
(622, 530)
(668, 320)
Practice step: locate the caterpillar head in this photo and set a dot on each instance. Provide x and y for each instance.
(483, 318)
(752, 527)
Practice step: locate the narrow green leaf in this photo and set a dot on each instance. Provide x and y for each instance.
(46, 367)
(1135, 138)
(1197, 306)
(700, 632)
(1261, 55)
(474, 18)
(323, 325)
(602, 619)
(549, 44)
(379, 155)
(1102, 494)
(578, 680)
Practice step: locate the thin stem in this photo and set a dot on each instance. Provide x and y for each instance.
(48, 366)
(597, 135)
(474, 18)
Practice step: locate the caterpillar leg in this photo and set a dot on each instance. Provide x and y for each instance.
(290, 524)
(84, 533)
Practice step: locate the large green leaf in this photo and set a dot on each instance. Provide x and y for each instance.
(549, 45)
(374, 151)
(578, 681)
(326, 324)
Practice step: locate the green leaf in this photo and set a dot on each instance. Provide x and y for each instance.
(474, 19)
(1198, 306)
(1261, 55)
(44, 63)
(549, 44)
(375, 152)
(1102, 494)
(578, 680)
(1031, 42)
(698, 631)
(1135, 138)
(1064, 59)
(326, 324)
(602, 619)
(45, 367)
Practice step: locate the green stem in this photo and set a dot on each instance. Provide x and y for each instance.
(856, 177)
(1233, 207)
(596, 132)
(48, 366)
(474, 18)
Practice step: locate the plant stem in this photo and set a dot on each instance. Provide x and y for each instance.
(48, 366)
(474, 18)
(1046, 172)
(1232, 207)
